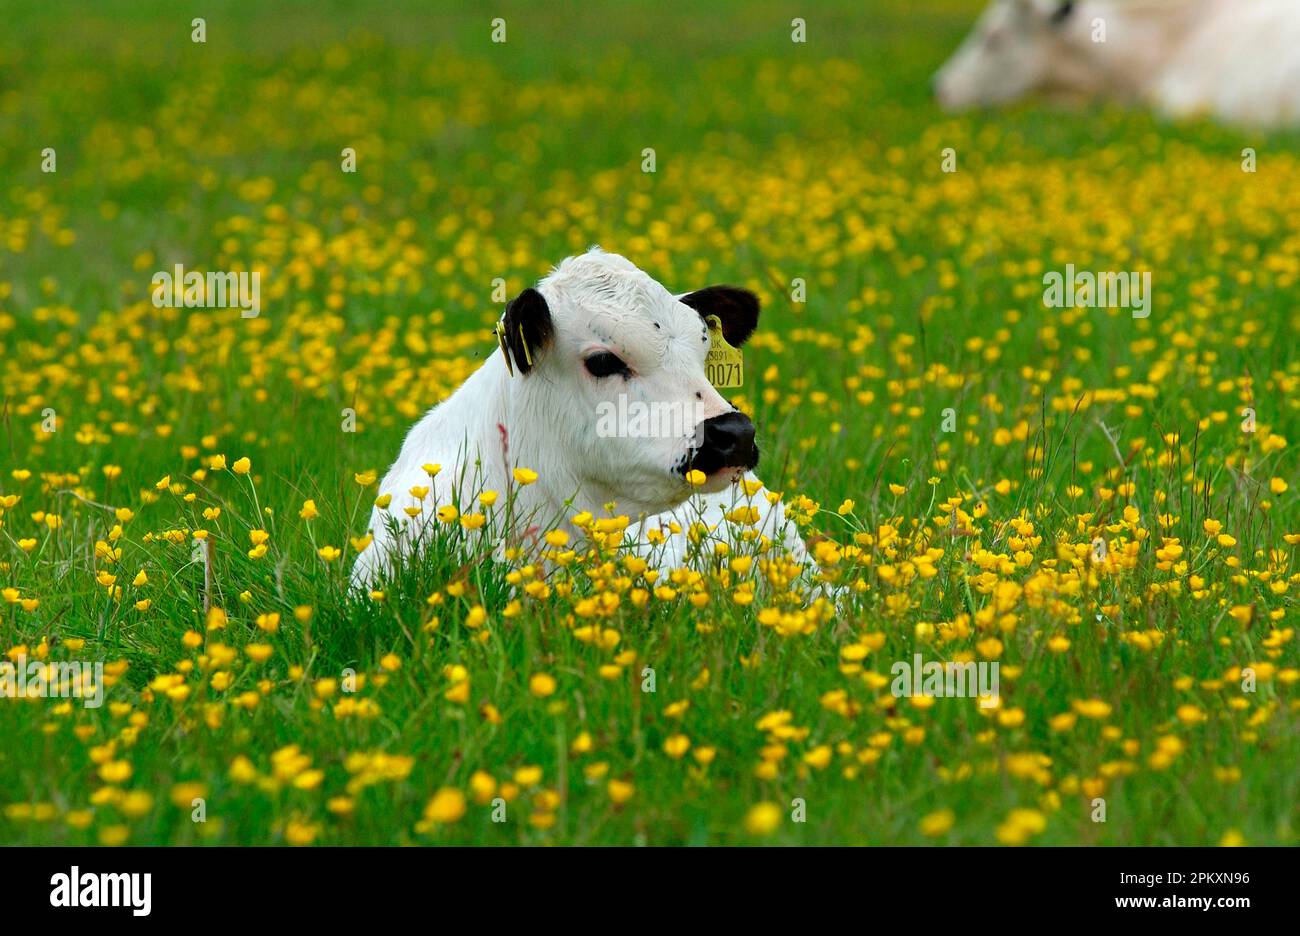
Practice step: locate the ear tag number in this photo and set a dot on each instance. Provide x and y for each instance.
(724, 365)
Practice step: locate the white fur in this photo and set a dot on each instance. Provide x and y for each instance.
(1237, 60)
(546, 421)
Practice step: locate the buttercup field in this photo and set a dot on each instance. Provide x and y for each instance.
(1052, 538)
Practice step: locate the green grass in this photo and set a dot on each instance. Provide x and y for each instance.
(775, 161)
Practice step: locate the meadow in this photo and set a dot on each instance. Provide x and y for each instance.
(1103, 505)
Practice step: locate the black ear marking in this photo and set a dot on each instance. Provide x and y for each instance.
(528, 328)
(736, 308)
(1061, 13)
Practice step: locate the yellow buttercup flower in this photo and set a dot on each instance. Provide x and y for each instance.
(676, 746)
(938, 823)
(542, 685)
(763, 818)
(620, 791)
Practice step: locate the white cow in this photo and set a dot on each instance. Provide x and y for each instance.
(1237, 60)
(597, 336)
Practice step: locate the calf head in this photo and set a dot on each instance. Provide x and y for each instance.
(1016, 47)
(608, 384)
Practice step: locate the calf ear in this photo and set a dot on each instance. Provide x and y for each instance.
(527, 328)
(736, 308)
(1062, 12)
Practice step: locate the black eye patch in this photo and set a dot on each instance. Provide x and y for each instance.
(606, 364)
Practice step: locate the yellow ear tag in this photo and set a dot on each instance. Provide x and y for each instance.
(523, 342)
(724, 365)
(505, 352)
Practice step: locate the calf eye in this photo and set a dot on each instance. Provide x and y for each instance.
(603, 364)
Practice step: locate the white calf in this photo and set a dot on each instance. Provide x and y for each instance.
(1237, 60)
(597, 336)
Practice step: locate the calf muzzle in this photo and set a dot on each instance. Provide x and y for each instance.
(727, 441)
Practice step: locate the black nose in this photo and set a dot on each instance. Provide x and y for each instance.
(727, 442)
